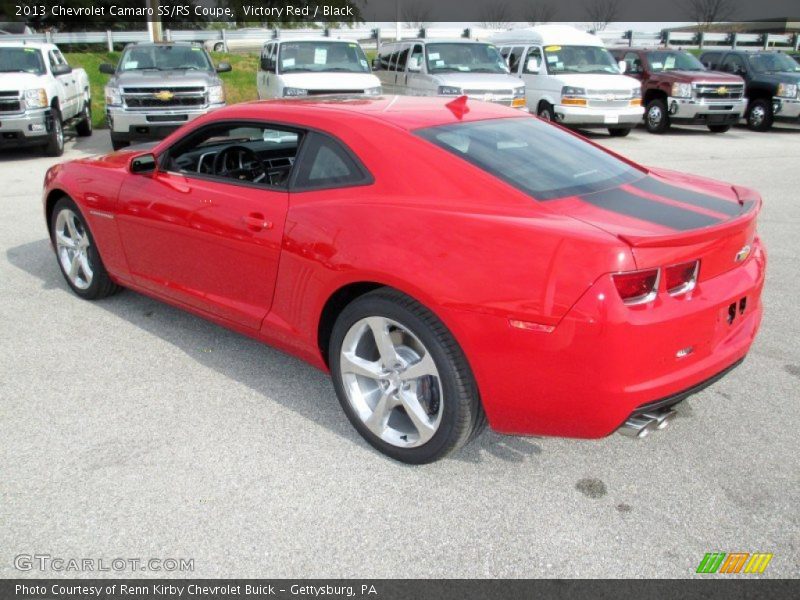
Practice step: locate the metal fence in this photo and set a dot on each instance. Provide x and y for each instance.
(374, 37)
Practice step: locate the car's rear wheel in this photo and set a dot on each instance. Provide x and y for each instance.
(402, 379)
(77, 253)
(759, 115)
(619, 131)
(55, 138)
(84, 125)
(718, 128)
(656, 119)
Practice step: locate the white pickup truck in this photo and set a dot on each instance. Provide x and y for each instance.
(40, 94)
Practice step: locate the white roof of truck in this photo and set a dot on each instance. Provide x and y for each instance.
(547, 35)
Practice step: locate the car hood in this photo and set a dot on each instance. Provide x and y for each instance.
(161, 79)
(597, 81)
(330, 81)
(19, 81)
(481, 81)
(699, 76)
(780, 77)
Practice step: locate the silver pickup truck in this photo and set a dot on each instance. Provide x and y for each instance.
(157, 87)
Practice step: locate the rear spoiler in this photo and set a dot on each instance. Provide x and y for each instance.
(750, 202)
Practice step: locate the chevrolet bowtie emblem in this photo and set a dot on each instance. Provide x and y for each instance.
(742, 254)
(164, 95)
(722, 90)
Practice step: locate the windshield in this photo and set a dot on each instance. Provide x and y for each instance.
(21, 60)
(464, 58)
(533, 156)
(322, 57)
(673, 61)
(579, 59)
(765, 63)
(165, 58)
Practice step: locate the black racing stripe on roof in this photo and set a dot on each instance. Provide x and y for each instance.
(625, 203)
(687, 196)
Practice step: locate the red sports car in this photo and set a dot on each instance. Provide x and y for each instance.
(450, 262)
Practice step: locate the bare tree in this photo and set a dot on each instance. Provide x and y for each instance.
(542, 11)
(601, 13)
(415, 13)
(496, 15)
(707, 12)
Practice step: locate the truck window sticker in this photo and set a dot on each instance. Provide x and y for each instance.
(320, 56)
(287, 62)
(433, 56)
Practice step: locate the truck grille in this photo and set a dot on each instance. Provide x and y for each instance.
(497, 96)
(718, 91)
(609, 98)
(10, 102)
(164, 97)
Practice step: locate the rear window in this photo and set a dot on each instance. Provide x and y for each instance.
(535, 157)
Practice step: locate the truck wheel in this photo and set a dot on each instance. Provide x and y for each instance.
(759, 115)
(718, 128)
(84, 126)
(55, 139)
(619, 131)
(545, 112)
(117, 143)
(656, 118)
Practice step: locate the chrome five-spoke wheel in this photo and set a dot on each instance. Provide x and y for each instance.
(391, 382)
(72, 245)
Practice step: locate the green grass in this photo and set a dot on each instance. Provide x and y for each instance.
(240, 84)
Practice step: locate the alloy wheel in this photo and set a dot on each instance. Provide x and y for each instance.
(72, 245)
(757, 116)
(391, 382)
(654, 116)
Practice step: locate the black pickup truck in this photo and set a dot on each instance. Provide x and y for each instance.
(772, 84)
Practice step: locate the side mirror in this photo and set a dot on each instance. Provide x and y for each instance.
(376, 64)
(532, 66)
(224, 67)
(144, 163)
(61, 69)
(623, 66)
(414, 64)
(107, 68)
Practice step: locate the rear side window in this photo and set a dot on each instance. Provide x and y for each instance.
(711, 59)
(325, 163)
(535, 157)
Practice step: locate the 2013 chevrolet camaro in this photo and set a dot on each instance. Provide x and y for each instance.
(450, 262)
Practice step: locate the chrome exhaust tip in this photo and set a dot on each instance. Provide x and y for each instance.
(663, 417)
(638, 426)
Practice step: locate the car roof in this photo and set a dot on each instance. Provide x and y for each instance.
(25, 44)
(547, 35)
(406, 112)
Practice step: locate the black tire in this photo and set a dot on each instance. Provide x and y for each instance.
(462, 417)
(546, 112)
(719, 128)
(84, 125)
(759, 115)
(656, 117)
(55, 137)
(117, 143)
(101, 284)
(619, 131)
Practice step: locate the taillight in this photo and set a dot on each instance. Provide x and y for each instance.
(637, 287)
(681, 278)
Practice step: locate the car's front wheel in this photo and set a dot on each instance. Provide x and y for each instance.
(55, 137)
(77, 253)
(402, 379)
(759, 115)
(656, 118)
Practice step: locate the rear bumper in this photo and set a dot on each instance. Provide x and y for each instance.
(25, 129)
(605, 360)
(598, 117)
(147, 125)
(700, 112)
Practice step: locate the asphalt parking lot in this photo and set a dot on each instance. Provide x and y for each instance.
(131, 429)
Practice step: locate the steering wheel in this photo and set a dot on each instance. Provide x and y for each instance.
(239, 162)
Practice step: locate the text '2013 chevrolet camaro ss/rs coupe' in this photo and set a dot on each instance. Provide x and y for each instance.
(449, 262)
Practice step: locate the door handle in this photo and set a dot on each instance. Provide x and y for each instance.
(256, 222)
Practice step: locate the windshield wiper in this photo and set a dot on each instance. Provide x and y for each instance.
(144, 69)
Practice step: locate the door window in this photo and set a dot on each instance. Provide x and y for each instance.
(514, 56)
(244, 153)
(533, 53)
(633, 63)
(415, 60)
(402, 57)
(733, 64)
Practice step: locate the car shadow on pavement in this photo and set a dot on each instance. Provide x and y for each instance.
(85, 146)
(272, 374)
